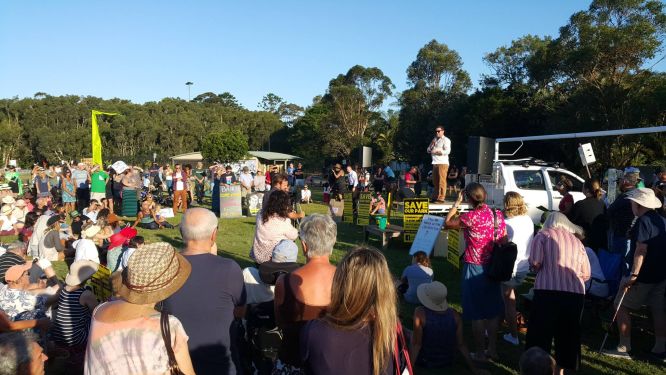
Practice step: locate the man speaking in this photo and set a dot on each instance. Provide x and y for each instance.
(440, 148)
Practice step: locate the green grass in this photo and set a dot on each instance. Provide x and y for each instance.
(235, 239)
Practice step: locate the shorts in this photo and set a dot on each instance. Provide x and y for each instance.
(642, 294)
(98, 196)
(516, 280)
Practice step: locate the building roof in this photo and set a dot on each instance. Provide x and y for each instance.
(267, 155)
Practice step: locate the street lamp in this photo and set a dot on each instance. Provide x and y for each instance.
(188, 84)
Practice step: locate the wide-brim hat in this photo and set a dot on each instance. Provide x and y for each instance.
(644, 197)
(80, 271)
(433, 296)
(153, 273)
(8, 199)
(6, 209)
(20, 203)
(91, 231)
(117, 239)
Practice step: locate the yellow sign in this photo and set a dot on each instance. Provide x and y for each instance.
(100, 283)
(96, 139)
(414, 209)
(453, 247)
(348, 212)
(364, 209)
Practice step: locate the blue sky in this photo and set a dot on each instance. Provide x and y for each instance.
(147, 50)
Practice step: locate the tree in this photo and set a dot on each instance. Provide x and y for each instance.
(438, 68)
(510, 64)
(225, 146)
(287, 112)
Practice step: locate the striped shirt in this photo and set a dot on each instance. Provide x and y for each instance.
(564, 265)
(71, 320)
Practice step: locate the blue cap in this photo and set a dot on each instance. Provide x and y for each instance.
(285, 251)
(631, 170)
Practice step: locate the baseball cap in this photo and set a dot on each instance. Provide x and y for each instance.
(15, 272)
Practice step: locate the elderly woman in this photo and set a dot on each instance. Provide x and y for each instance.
(85, 247)
(273, 226)
(481, 297)
(358, 333)
(520, 230)
(303, 294)
(153, 273)
(560, 261)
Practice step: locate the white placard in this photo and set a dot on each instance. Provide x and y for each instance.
(586, 154)
(427, 234)
(166, 212)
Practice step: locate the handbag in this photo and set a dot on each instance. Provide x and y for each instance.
(502, 258)
(403, 366)
(166, 336)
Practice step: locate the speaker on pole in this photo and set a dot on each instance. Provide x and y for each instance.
(480, 152)
(365, 156)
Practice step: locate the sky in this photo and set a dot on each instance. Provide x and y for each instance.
(147, 50)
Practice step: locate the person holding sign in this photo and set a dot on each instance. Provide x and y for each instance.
(439, 148)
(481, 297)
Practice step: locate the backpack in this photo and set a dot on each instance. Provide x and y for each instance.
(502, 258)
(263, 337)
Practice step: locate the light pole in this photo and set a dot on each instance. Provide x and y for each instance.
(189, 85)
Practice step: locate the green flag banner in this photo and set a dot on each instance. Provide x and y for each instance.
(96, 140)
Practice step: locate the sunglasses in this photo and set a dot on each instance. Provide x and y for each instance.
(438, 131)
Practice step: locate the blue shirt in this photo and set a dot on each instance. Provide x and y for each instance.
(416, 275)
(389, 172)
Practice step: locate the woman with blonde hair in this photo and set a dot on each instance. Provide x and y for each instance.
(519, 230)
(558, 257)
(357, 335)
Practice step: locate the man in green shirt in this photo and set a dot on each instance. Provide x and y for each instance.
(98, 183)
(200, 179)
(14, 180)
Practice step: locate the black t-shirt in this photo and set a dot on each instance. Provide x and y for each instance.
(205, 306)
(298, 173)
(650, 229)
(590, 214)
(228, 178)
(620, 215)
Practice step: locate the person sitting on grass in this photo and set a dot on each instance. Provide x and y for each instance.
(306, 195)
(438, 330)
(417, 273)
(147, 218)
(273, 226)
(377, 204)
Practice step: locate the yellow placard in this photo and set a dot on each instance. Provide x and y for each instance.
(348, 212)
(453, 246)
(414, 209)
(100, 283)
(364, 209)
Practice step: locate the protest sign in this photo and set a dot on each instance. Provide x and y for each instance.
(230, 201)
(348, 212)
(453, 247)
(254, 201)
(364, 209)
(414, 209)
(100, 282)
(427, 234)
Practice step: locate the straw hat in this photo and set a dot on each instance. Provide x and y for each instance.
(80, 271)
(153, 273)
(433, 296)
(20, 203)
(644, 197)
(6, 209)
(91, 231)
(8, 199)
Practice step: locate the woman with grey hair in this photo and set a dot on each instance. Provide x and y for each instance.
(303, 294)
(21, 354)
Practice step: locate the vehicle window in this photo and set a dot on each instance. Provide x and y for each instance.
(529, 180)
(555, 177)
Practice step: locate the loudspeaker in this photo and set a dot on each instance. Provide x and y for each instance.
(480, 153)
(365, 157)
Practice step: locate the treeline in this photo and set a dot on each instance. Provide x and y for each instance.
(596, 74)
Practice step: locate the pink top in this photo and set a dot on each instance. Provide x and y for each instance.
(564, 263)
(267, 235)
(132, 346)
(478, 226)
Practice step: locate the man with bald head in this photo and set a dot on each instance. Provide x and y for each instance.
(206, 302)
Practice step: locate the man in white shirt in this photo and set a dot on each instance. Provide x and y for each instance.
(246, 180)
(439, 149)
(352, 179)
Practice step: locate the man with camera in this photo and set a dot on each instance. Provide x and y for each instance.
(439, 149)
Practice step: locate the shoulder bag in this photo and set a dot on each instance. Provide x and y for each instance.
(166, 336)
(503, 257)
(403, 366)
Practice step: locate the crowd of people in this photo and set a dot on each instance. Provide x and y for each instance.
(192, 311)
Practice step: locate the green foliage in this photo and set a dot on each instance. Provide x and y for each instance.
(438, 68)
(225, 146)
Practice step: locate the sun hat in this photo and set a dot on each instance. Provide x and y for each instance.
(15, 272)
(53, 219)
(80, 271)
(91, 231)
(116, 240)
(433, 296)
(285, 251)
(644, 197)
(20, 203)
(112, 218)
(6, 209)
(153, 273)
(8, 199)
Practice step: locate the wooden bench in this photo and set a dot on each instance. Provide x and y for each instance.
(391, 231)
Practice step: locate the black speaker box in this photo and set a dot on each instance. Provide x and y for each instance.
(480, 153)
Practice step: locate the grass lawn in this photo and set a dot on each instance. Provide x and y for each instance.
(235, 239)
